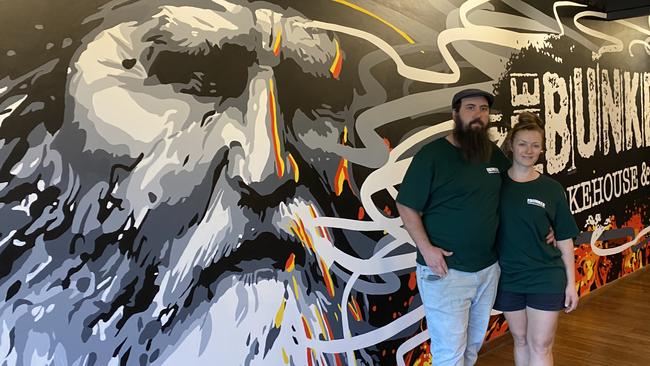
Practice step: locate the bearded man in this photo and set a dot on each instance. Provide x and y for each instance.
(448, 201)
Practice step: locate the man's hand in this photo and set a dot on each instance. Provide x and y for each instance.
(434, 257)
(570, 299)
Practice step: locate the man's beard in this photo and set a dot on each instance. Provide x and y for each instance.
(473, 142)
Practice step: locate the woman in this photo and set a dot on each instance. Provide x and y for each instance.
(537, 279)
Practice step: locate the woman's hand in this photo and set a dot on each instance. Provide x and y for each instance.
(570, 298)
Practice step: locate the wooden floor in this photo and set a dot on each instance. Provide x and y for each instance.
(610, 327)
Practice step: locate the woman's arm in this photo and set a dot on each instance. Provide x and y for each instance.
(571, 295)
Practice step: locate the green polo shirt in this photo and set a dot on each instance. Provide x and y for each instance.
(528, 263)
(458, 202)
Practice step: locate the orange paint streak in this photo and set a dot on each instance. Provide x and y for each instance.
(496, 327)
(322, 232)
(354, 309)
(586, 265)
(603, 268)
(279, 162)
(312, 212)
(327, 235)
(633, 261)
(309, 361)
(294, 168)
(377, 17)
(341, 177)
(330, 334)
(419, 356)
(308, 333)
(327, 277)
(387, 143)
(306, 235)
(361, 214)
(291, 263)
(276, 44)
(337, 64)
(412, 281)
(296, 232)
(387, 211)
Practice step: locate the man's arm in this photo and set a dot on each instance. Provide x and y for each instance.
(433, 256)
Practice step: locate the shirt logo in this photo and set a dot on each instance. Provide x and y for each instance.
(492, 170)
(532, 201)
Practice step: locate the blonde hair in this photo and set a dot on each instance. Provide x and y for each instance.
(526, 121)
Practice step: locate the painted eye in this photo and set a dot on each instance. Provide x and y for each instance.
(223, 72)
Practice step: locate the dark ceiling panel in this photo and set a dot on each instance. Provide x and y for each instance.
(620, 9)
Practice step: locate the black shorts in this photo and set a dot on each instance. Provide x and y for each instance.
(514, 301)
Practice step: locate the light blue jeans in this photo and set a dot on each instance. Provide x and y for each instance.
(457, 309)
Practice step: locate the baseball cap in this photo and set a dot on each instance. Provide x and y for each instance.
(472, 93)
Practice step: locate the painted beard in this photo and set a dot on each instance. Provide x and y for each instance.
(473, 142)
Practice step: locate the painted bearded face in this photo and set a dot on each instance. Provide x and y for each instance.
(177, 205)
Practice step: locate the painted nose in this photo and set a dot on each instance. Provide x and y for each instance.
(257, 154)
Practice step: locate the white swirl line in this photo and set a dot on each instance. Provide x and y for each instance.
(611, 251)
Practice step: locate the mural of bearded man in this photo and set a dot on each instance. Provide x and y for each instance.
(162, 168)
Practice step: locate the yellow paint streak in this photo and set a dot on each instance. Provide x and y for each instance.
(285, 358)
(299, 230)
(279, 162)
(377, 17)
(321, 323)
(327, 277)
(341, 176)
(295, 288)
(335, 68)
(294, 167)
(305, 234)
(320, 231)
(296, 232)
(344, 139)
(312, 212)
(276, 44)
(328, 327)
(291, 263)
(354, 309)
(280, 314)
